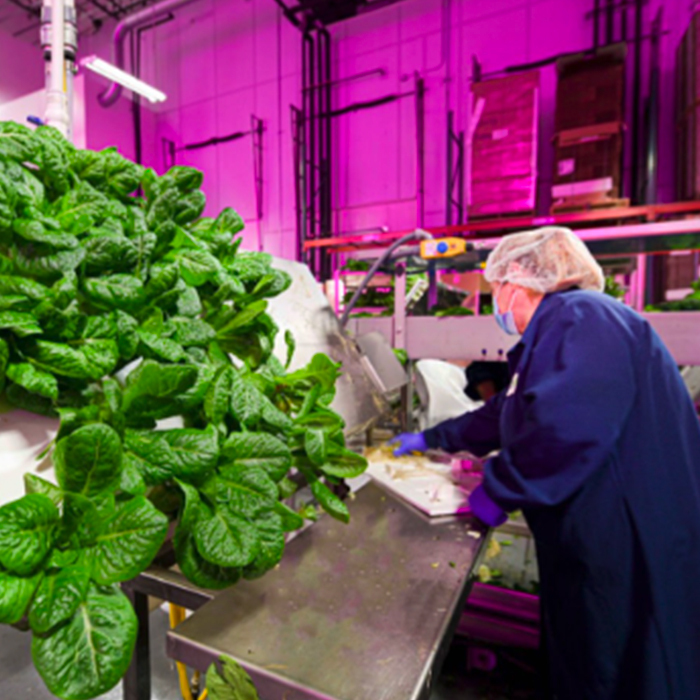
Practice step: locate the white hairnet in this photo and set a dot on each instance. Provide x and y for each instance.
(549, 259)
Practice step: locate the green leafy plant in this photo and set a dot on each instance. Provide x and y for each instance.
(231, 682)
(613, 288)
(118, 311)
(691, 302)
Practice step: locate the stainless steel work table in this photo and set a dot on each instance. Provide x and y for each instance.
(363, 611)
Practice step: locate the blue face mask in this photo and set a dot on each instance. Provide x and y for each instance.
(506, 321)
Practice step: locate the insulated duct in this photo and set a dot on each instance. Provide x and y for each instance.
(123, 29)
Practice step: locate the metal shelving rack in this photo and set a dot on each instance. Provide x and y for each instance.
(479, 338)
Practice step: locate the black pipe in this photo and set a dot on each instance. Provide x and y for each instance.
(636, 98)
(420, 148)
(609, 21)
(349, 78)
(288, 14)
(623, 21)
(652, 117)
(359, 106)
(448, 204)
(460, 181)
(328, 200)
(214, 141)
(596, 22)
(135, 50)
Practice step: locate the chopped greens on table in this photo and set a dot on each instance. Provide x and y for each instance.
(117, 311)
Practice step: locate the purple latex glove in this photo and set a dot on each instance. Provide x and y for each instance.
(485, 509)
(409, 442)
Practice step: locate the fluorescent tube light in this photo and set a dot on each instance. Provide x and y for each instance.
(117, 75)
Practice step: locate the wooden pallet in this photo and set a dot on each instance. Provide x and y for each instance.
(587, 202)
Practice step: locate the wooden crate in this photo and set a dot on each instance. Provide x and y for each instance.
(503, 163)
(589, 124)
(590, 89)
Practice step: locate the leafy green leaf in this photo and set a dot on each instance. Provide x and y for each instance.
(246, 401)
(330, 502)
(192, 332)
(21, 398)
(16, 142)
(291, 520)
(35, 232)
(80, 209)
(343, 463)
(271, 533)
(189, 207)
(88, 655)
(151, 387)
(34, 380)
(35, 484)
(58, 597)
(132, 480)
(197, 267)
(27, 531)
(10, 284)
(196, 451)
(192, 564)
(162, 280)
(22, 324)
(93, 360)
(315, 445)
(48, 267)
(124, 292)
(88, 461)
(112, 252)
(232, 684)
(246, 490)
(258, 450)
(189, 303)
(16, 593)
(291, 346)
(217, 400)
(224, 538)
(162, 348)
(129, 542)
(243, 319)
(148, 453)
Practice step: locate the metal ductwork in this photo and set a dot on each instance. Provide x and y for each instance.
(123, 29)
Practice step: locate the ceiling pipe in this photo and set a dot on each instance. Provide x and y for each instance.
(123, 29)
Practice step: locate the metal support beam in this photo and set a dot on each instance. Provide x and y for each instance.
(137, 681)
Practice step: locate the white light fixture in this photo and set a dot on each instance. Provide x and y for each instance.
(117, 75)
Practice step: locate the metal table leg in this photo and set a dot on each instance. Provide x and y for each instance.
(137, 681)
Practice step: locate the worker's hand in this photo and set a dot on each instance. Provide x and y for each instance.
(486, 509)
(408, 443)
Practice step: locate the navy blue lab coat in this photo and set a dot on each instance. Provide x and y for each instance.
(600, 449)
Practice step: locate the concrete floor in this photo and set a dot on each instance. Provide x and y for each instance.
(19, 680)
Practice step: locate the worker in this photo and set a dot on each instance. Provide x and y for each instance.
(600, 449)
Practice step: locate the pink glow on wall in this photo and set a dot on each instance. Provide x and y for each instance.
(220, 62)
(21, 68)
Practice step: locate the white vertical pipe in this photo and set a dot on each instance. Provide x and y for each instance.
(56, 108)
(70, 75)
